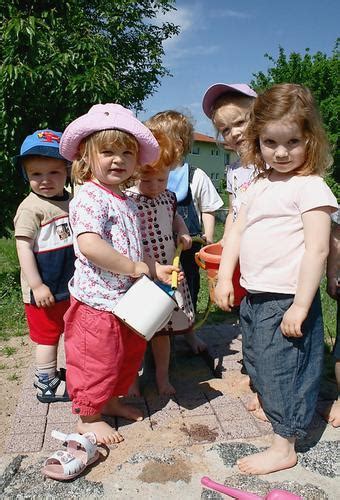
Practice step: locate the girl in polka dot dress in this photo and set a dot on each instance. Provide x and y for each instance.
(162, 229)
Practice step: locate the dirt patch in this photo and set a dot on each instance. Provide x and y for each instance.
(200, 432)
(162, 472)
(15, 357)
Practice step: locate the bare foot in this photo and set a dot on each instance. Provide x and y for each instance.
(105, 434)
(164, 386)
(255, 407)
(197, 345)
(281, 455)
(116, 408)
(134, 390)
(332, 413)
(260, 415)
(245, 382)
(254, 403)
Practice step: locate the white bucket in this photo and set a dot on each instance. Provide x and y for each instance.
(145, 307)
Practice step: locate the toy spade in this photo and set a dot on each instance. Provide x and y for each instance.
(244, 495)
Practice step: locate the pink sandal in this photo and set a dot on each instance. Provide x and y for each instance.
(67, 464)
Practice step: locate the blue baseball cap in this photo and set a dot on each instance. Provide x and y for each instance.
(40, 143)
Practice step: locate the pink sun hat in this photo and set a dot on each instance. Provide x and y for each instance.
(215, 91)
(107, 117)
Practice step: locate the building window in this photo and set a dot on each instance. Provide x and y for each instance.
(217, 153)
(212, 152)
(217, 175)
(226, 158)
(195, 150)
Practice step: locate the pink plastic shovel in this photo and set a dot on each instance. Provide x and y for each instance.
(244, 495)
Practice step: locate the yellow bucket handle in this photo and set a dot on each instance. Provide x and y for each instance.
(175, 262)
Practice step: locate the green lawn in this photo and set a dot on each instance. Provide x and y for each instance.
(12, 321)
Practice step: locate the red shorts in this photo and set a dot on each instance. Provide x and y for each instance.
(46, 324)
(103, 357)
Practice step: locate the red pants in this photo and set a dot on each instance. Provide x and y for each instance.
(103, 357)
(46, 324)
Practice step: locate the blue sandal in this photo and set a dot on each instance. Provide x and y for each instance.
(48, 391)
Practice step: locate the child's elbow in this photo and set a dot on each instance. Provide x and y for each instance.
(321, 252)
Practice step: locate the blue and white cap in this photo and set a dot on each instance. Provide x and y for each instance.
(40, 143)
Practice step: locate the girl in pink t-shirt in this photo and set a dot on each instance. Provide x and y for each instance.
(281, 236)
(103, 355)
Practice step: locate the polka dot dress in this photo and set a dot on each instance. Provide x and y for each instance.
(156, 220)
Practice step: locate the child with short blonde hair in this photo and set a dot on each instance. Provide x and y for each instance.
(102, 354)
(281, 236)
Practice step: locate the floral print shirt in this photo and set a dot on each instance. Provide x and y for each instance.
(96, 209)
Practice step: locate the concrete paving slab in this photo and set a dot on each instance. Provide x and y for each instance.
(25, 443)
(238, 429)
(163, 418)
(157, 403)
(28, 425)
(61, 412)
(195, 406)
(28, 405)
(52, 444)
(202, 430)
(134, 431)
(170, 431)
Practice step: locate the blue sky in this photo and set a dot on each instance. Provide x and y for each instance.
(225, 41)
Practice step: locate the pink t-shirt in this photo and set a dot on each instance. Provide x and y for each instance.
(98, 210)
(272, 244)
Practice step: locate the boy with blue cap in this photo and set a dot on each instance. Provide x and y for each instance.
(45, 251)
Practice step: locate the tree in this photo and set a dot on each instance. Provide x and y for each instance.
(57, 58)
(320, 74)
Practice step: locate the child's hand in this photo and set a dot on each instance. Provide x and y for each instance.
(139, 269)
(292, 321)
(208, 241)
(164, 273)
(333, 287)
(43, 296)
(186, 241)
(224, 295)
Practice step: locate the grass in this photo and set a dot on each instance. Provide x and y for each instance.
(8, 351)
(12, 320)
(216, 315)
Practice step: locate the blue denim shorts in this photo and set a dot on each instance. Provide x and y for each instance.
(285, 371)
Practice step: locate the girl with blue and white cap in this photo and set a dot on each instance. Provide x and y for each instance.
(102, 354)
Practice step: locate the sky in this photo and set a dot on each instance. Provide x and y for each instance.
(225, 41)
